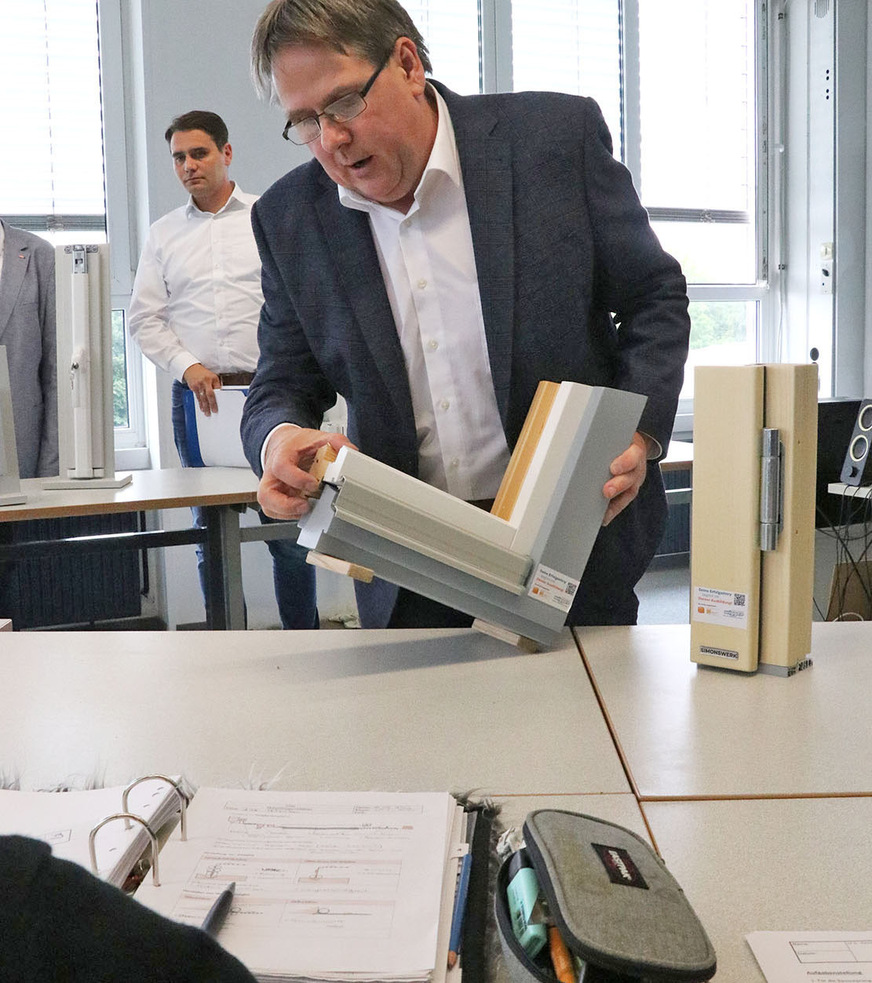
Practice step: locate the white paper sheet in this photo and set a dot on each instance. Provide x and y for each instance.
(64, 820)
(329, 885)
(797, 957)
(218, 434)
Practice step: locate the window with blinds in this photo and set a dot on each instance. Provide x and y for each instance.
(571, 47)
(451, 30)
(51, 169)
(677, 83)
(697, 133)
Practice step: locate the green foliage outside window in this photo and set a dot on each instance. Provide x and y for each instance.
(119, 371)
(717, 324)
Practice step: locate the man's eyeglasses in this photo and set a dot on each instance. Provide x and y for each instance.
(344, 109)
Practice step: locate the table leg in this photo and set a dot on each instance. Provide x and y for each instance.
(225, 608)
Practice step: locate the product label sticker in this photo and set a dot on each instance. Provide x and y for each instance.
(720, 607)
(553, 588)
(619, 866)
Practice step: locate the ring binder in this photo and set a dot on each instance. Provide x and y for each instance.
(183, 799)
(126, 816)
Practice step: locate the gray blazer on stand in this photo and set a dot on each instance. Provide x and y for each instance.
(574, 286)
(27, 330)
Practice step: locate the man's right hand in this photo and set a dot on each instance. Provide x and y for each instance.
(286, 486)
(203, 382)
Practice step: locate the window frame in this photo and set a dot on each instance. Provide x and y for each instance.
(131, 442)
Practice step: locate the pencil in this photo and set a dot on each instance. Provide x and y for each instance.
(459, 910)
(561, 960)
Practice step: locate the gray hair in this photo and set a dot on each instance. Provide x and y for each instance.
(366, 28)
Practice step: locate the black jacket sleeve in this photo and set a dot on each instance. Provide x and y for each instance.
(60, 923)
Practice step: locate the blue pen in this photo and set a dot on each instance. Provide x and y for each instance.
(459, 910)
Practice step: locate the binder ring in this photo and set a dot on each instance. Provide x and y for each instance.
(183, 800)
(126, 816)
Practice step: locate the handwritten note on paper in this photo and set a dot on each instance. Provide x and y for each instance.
(328, 885)
(797, 957)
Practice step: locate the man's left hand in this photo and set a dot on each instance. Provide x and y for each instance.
(628, 473)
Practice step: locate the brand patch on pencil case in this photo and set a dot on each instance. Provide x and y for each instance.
(619, 866)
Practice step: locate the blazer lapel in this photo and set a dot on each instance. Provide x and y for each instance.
(16, 257)
(486, 163)
(356, 267)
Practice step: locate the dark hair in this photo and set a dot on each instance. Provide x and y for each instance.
(368, 28)
(200, 119)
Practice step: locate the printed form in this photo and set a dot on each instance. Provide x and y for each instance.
(817, 957)
(328, 885)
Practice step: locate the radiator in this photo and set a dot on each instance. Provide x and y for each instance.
(42, 592)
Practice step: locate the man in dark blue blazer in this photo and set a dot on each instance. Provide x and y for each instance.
(497, 224)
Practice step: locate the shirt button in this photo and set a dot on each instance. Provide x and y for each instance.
(433, 345)
(445, 404)
(455, 462)
(421, 284)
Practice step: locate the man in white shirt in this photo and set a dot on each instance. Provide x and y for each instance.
(195, 308)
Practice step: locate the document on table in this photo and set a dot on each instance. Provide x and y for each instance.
(797, 957)
(329, 885)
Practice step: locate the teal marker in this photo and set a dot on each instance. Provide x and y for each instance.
(522, 892)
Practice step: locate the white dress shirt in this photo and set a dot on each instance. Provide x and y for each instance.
(428, 266)
(197, 293)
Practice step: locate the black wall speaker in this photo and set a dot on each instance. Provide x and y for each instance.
(836, 418)
(854, 468)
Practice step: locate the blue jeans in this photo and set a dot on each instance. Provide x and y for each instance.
(293, 578)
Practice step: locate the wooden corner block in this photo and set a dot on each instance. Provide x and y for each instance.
(324, 456)
(520, 642)
(335, 565)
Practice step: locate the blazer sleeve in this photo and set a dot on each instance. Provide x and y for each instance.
(289, 386)
(48, 462)
(59, 922)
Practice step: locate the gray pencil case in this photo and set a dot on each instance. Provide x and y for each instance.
(616, 906)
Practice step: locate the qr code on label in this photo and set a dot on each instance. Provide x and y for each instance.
(739, 600)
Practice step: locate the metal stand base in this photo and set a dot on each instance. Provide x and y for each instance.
(118, 481)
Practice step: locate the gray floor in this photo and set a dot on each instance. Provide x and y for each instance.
(664, 591)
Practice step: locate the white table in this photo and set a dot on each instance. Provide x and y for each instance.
(460, 711)
(690, 731)
(755, 788)
(221, 492)
(355, 709)
(390, 710)
(679, 457)
(767, 864)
